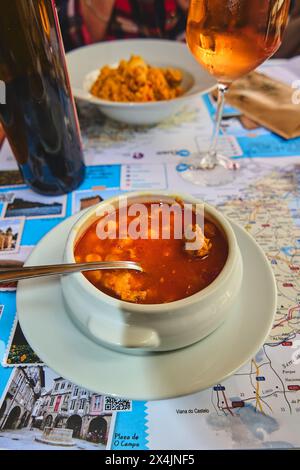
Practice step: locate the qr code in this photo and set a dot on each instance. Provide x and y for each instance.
(117, 404)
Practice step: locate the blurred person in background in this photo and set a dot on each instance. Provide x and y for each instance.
(88, 21)
(291, 41)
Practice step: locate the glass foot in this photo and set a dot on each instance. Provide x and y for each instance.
(202, 172)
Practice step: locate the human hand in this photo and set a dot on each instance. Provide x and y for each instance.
(183, 4)
(96, 16)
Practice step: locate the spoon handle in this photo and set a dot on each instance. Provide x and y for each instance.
(16, 274)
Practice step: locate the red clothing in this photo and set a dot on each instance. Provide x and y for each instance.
(147, 18)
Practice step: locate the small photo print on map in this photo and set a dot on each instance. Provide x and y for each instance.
(12, 259)
(9, 178)
(30, 205)
(10, 175)
(39, 408)
(6, 197)
(87, 198)
(10, 235)
(18, 352)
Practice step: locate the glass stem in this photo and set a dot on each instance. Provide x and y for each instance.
(212, 152)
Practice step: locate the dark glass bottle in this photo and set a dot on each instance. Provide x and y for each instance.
(39, 116)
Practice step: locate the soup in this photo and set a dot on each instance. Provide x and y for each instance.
(171, 271)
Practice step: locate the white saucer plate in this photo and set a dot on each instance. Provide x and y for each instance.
(57, 341)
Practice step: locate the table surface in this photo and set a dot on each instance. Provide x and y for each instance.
(259, 407)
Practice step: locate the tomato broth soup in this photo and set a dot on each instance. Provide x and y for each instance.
(171, 271)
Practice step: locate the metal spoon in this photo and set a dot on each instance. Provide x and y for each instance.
(14, 273)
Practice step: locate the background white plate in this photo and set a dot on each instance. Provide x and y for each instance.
(83, 62)
(67, 351)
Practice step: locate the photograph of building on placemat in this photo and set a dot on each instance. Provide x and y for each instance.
(40, 410)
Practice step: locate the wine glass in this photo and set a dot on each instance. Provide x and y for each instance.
(230, 38)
